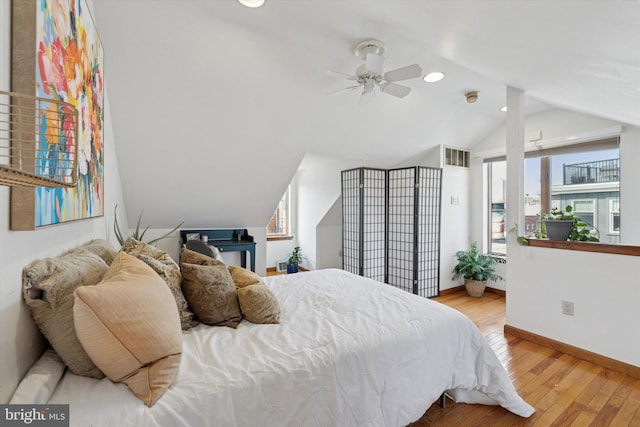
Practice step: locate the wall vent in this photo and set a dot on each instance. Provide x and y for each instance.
(456, 157)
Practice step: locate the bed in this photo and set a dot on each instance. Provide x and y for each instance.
(348, 351)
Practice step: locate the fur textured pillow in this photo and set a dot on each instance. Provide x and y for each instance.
(211, 294)
(130, 327)
(48, 286)
(259, 304)
(167, 268)
(243, 277)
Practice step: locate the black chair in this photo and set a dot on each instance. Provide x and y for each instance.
(200, 247)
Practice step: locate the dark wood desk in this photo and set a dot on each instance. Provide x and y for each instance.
(227, 240)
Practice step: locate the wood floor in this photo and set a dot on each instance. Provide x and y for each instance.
(564, 390)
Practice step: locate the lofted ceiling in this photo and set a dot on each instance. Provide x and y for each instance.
(214, 105)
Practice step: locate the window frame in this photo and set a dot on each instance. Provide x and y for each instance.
(286, 235)
(613, 212)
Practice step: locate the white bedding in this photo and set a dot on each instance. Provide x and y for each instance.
(348, 351)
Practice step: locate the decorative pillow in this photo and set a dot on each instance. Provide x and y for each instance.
(167, 268)
(258, 304)
(48, 286)
(211, 293)
(41, 380)
(187, 256)
(243, 277)
(130, 327)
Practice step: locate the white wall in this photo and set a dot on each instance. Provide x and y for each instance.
(602, 287)
(329, 238)
(20, 342)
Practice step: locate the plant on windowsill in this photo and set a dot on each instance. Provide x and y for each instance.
(476, 268)
(136, 233)
(565, 225)
(295, 258)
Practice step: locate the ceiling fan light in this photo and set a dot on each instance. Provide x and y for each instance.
(251, 3)
(434, 76)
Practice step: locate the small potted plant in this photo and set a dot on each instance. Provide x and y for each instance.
(475, 268)
(565, 225)
(294, 260)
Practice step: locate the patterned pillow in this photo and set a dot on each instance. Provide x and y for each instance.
(129, 325)
(258, 304)
(167, 268)
(48, 286)
(243, 277)
(211, 294)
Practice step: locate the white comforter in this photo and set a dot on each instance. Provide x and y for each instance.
(348, 351)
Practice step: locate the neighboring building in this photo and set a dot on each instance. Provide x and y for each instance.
(593, 191)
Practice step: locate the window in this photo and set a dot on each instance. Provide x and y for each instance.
(584, 176)
(614, 216)
(280, 223)
(585, 209)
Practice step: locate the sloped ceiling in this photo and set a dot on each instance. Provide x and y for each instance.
(214, 105)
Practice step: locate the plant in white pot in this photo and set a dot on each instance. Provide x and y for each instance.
(476, 268)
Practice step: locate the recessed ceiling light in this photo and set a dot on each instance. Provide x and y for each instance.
(251, 3)
(504, 109)
(433, 77)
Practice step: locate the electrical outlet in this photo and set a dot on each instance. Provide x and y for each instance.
(340, 253)
(567, 308)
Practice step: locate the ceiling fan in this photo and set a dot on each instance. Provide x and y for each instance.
(369, 75)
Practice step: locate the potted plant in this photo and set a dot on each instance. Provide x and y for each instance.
(294, 260)
(476, 268)
(137, 234)
(565, 225)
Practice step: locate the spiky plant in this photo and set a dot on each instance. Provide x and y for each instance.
(136, 233)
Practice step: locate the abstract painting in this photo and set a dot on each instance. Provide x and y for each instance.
(67, 60)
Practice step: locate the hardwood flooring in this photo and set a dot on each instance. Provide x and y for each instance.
(564, 390)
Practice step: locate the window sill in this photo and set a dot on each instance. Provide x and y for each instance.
(604, 248)
(276, 238)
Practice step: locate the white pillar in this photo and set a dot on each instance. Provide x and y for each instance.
(515, 162)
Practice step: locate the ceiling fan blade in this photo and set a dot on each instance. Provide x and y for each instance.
(404, 73)
(373, 63)
(346, 89)
(394, 89)
(331, 73)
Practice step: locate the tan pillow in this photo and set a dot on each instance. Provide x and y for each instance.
(259, 304)
(167, 268)
(188, 256)
(129, 325)
(48, 286)
(211, 294)
(243, 277)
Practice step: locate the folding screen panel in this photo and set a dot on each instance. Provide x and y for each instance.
(363, 222)
(391, 226)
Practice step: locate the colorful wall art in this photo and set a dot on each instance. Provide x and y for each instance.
(67, 59)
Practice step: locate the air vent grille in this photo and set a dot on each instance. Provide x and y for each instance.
(456, 157)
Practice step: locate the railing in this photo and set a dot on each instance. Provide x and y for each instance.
(592, 172)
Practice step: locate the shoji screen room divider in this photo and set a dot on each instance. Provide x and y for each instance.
(391, 226)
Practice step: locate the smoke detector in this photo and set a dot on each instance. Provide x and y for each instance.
(471, 96)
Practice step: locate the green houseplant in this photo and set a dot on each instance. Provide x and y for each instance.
(295, 258)
(476, 268)
(137, 234)
(565, 225)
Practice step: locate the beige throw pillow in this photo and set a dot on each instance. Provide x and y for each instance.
(211, 294)
(129, 326)
(259, 304)
(48, 286)
(167, 268)
(243, 277)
